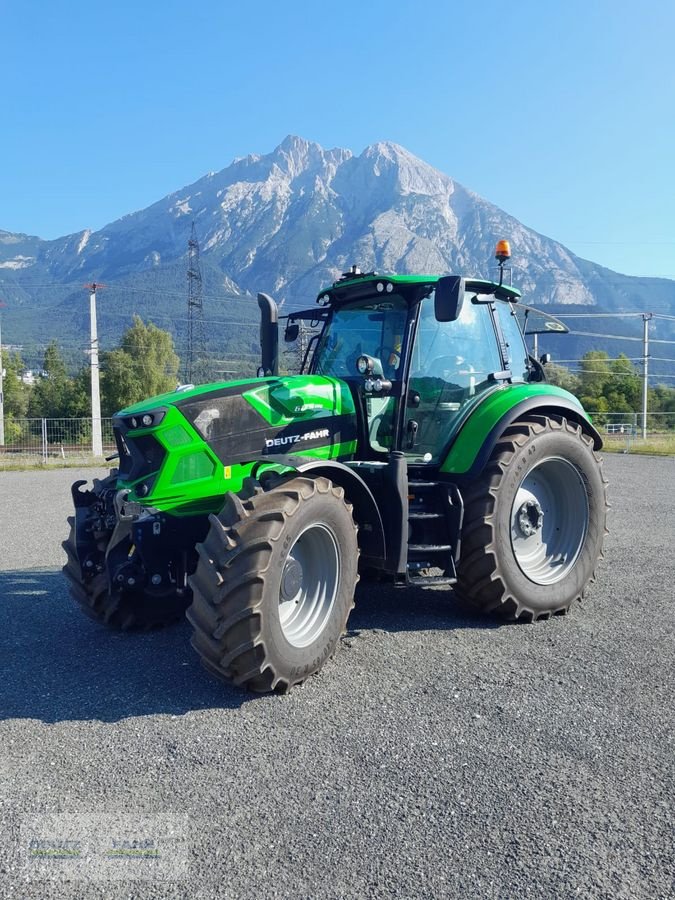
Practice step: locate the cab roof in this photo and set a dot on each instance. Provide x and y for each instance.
(352, 287)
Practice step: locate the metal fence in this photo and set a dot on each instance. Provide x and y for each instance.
(52, 441)
(614, 422)
(623, 430)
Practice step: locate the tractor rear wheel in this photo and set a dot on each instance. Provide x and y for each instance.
(274, 583)
(534, 523)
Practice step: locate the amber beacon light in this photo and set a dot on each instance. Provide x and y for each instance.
(503, 251)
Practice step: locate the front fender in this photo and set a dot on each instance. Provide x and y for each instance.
(366, 511)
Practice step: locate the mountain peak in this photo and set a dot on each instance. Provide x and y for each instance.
(295, 155)
(388, 149)
(408, 173)
(292, 143)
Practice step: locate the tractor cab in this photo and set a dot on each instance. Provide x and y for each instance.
(418, 352)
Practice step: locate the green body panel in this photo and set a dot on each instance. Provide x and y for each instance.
(487, 414)
(192, 479)
(183, 480)
(172, 397)
(281, 401)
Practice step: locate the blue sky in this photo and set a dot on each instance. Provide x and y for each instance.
(562, 113)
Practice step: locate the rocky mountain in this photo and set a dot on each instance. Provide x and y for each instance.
(289, 222)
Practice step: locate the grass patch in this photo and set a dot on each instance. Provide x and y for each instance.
(17, 465)
(655, 445)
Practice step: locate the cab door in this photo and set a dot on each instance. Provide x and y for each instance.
(450, 366)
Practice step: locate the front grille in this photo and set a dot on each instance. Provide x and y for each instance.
(126, 463)
(140, 455)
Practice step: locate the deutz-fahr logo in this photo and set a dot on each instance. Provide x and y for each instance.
(296, 438)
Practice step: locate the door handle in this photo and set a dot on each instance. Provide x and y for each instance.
(412, 433)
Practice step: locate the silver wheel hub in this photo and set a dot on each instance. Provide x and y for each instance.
(309, 585)
(549, 520)
(530, 517)
(291, 580)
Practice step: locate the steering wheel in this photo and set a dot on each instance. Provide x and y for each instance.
(443, 364)
(384, 354)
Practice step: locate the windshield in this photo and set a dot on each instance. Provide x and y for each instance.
(374, 327)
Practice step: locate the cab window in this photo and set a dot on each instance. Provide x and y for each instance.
(374, 327)
(515, 344)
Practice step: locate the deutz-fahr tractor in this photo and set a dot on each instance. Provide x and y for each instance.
(419, 444)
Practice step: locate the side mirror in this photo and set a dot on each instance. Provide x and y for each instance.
(448, 298)
(291, 332)
(545, 359)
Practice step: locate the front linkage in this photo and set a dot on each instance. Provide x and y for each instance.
(128, 565)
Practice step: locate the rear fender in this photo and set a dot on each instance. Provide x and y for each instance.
(476, 441)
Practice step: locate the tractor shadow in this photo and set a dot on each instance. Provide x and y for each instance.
(381, 606)
(57, 665)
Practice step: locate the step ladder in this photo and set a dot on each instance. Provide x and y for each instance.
(435, 512)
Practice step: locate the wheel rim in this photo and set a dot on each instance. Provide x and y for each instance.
(549, 520)
(309, 584)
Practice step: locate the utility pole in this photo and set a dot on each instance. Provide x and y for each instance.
(301, 345)
(645, 370)
(195, 330)
(2, 395)
(96, 436)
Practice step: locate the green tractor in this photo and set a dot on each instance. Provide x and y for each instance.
(420, 444)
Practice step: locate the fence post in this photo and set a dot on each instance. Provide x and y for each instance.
(44, 441)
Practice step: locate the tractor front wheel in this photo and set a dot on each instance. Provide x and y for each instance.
(274, 583)
(534, 522)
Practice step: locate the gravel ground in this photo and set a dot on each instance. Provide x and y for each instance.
(436, 755)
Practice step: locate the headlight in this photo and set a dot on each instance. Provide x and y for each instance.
(364, 365)
(145, 420)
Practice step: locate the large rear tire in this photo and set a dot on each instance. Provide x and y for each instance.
(274, 583)
(534, 523)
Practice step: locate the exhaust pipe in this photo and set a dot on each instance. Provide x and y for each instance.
(269, 336)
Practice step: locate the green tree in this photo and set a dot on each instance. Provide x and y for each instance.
(594, 378)
(561, 376)
(143, 365)
(16, 393)
(664, 398)
(624, 385)
(55, 394)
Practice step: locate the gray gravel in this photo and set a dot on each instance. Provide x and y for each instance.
(436, 755)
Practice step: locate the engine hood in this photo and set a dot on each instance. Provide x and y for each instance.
(261, 417)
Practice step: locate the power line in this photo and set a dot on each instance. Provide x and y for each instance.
(129, 290)
(551, 276)
(609, 359)
(617, 337)
(207, 321)
(624, 243)
(626, 315)
(623, 359)
(618, 374)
